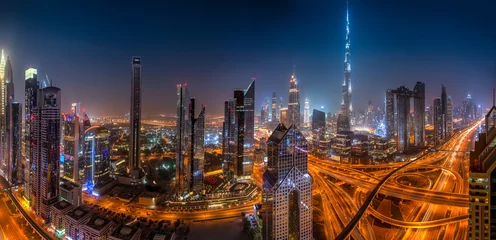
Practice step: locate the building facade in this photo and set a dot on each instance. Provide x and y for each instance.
(482, 223)
(30, 103)
(293, 103)
(419, 111)
(135, 121)
(96, 155)
(46, 117)
(287, 187)
(249, 110)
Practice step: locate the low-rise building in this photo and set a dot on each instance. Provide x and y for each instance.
(125, 232)
(59, 210)
(75, 219)
(97, 228)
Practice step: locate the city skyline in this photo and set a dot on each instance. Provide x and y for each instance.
(378, 44)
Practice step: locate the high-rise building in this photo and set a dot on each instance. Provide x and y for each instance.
(96, 155)
(449, 117)
(482, 224)
(228, 139)
(444, 109)
(46, 151)
(30, 102)
(306, 113)
(264, 116)
(419, 111)
(239, 139)
(197, 168)
(273, 116)
(249, 109)
(390, 128)
(318, 124)
(294, 102)
(287, 187)
(189, 143)
(183, 142)
(134, 163)
(438, 119)
(15, 171)
(3, 65)
(70, 148)
(283, 116)
(8, 134)
(346, 106)
(403, 109)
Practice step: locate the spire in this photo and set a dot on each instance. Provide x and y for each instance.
(294, 66)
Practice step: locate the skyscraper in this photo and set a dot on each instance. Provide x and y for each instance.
(46, 151)
(264, 116)
(96, 157)
(449, 117)
(228, 140)
(30, 102)
(306, 113)
(419, 111)
(239, 132)
(198, 151)
(249, 109)
(70, 147)
(287, 187)
(294, 102)
(135, 121)
(3, 65)
(183, 138)
(444, 110)
(403, 109)
(438, 120)
(273, 116)
(15, 171)
(390, 129)
(346, 106)
(8, 134)
(482, 224)
(190, 143)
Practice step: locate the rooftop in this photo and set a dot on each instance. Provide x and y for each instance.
(124, 232)
(61, 205)
(98, 222)
(79, 212)
(156, 236)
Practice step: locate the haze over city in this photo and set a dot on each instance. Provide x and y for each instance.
(263, 120)
(224, 44)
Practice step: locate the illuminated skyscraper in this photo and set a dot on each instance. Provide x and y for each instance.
(30, 102)
(15, 171)
(7, 137)
(390, 128)
(419, 111)
(96, 157)
(273, 116)
(444, 110)
(287, 187)
(190, 143)
(249, 109)
(183, 139)
(228, 139)
(294, 102)
(403, 109)
(482, 224)
(46, 151)
(197, 169)
(438, 120)
(346, 106)
(135, 121)
(264, 116)
(239, 132)
(306, 113)
(449, 117)
(3, 63)
(70, 147)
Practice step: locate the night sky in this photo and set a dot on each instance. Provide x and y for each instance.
(216, 46)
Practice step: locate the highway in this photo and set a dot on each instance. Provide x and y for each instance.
(26, 215)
